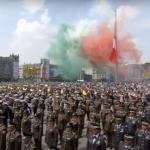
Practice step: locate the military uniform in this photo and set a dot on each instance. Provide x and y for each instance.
(131, 123)
(3, 131)
(108, 128)
(122, 146)
(40, 113)
(89, 126)
(13, 140)
(140, 116)
(83, 106)
(87, 103)
(50, 114)
(133, 108)
(48, 101)
(121, 113)
(97, 115)
(142, 139)
(61, 104)
(147, 112)
(97, 104)
(68, 113)
(84, 110)
(128, 143)
(25, 106)
(96, 142)
(116, 106)
(42, 104)
(91, 107)
(4, 113)
(81, 115)
(61, 124)
(126, 106)
(104, 113)
(147, 108)
(69, 140)
(35, 106)
(73, 105)
(17, 120)
(99, 144)
(21, 112)
(15, 104)
(76, 124)
(30, 146)
(53, 148)
(26, 124)
(56, 110)
(94, 113)
(118, 133)
(51, 136)
(37, 133)
(7, 113)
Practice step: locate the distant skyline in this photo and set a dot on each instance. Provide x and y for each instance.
(27, 26)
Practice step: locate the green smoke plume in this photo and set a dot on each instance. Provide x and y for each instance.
(65, 50)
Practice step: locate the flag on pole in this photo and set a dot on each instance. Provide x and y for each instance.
(42, 70)
(112, 57)
(113, 54)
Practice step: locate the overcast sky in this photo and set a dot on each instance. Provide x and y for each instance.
(27, 26)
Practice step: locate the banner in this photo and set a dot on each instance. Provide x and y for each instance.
(15, 70)
(42, 70)
(47, 70)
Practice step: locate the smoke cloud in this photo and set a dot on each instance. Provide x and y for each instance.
(97, 47)
(89, 44)
(65, 50)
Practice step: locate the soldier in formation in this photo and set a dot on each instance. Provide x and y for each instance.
(14, 139)
(95, 140)
(76, 123)
(110, 120)
(51, 135)
(125, 124)
(128, 143)
(81, 115)
(50, 114)
(37, 131)
(119, 130)
(142, 136)
(3, 132)
(61, 123)
(131, 122)
(27, 143)
(69, 138)
(26, 122)
(89, 126)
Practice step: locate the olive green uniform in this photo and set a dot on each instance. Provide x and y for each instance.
(69, 141)
(51, 136)
(13, 140)
(2, 136)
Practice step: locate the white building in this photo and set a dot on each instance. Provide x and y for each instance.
(98, 75)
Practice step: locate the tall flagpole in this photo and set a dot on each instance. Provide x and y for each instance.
(81, 73)
(116, 76)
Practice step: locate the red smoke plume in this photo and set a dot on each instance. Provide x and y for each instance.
(97, 47)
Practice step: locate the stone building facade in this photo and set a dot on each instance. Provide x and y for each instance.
(9, 68)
